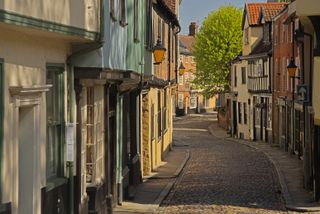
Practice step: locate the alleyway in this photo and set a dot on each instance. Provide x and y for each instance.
(221, 176)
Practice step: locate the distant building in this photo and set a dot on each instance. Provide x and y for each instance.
(189, 99)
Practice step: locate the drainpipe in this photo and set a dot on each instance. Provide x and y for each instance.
(176, 63)
(94, 46)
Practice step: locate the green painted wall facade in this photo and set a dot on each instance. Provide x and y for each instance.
(136, 35)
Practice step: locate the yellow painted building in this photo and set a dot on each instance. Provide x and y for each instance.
(158, 93)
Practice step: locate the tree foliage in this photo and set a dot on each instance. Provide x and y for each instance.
(218, 41)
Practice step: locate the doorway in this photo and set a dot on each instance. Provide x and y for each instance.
(27, 157)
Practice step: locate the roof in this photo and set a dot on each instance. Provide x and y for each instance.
(171, 4)
(167, 9)
(262, 47)
(253, 11)
(186, 42)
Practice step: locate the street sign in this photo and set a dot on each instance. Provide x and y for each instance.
(302, 93)
(70, 141)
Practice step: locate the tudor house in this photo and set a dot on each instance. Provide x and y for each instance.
(254, 107)
(107, 100)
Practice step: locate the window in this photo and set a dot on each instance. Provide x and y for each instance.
(206, 102)
(159, 27)
(235, 76)
(186, 59)
(275, 34)
(136, 20)
(284, 73)
(246, 36)
(152, 121)
(181, 58)
(266, 33)
(163, 33)
(260, 70)
(285, 32)
(148, 27)
(256, 102)
(245, 113)
(55, 122)
(186, 77)
(239, 113)
(281, 30)
(112, 12)
(159, 114)
(94, 142)
(181, 79)
(243, 75)
(269, 113)
(192, 59)
(277, 74)
(123, 13)
(165, 110)
(290, 32)
(180, 101)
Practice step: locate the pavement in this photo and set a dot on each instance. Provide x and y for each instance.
(149, 195)
(288, 168)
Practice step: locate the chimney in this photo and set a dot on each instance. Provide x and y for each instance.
(193, 28)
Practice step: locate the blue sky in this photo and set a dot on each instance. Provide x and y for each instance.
(197, 10)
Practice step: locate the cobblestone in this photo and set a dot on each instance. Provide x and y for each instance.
(222, 176)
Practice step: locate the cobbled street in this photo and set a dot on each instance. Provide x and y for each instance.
(222, 176)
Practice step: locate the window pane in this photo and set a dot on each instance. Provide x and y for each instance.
(54, 122)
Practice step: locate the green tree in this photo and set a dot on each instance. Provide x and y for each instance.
(218, 41)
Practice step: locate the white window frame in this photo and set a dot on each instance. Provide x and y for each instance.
(98, 134)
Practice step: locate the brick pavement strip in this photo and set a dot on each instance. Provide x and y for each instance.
(222, 176)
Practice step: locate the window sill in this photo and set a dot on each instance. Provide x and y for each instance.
(53, 183)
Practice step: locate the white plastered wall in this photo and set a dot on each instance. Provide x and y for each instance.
(82, 14)
(25, 59)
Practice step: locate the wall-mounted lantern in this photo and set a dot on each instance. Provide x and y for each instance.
(292, 68)
(158, 52)
(182, 69)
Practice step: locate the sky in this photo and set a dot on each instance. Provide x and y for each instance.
(197, 10)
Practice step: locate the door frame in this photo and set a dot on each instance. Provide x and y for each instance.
(28, 97)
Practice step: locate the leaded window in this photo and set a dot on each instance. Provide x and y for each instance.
(55, 121)
(245, 113)
(94, 137)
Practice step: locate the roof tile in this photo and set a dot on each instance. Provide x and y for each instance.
(270, 10)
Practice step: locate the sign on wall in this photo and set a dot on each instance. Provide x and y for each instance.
(70, 141)
(302, 93)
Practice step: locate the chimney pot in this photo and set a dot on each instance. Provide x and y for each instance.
(193, 28)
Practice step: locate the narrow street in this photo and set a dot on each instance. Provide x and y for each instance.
(221, 176)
